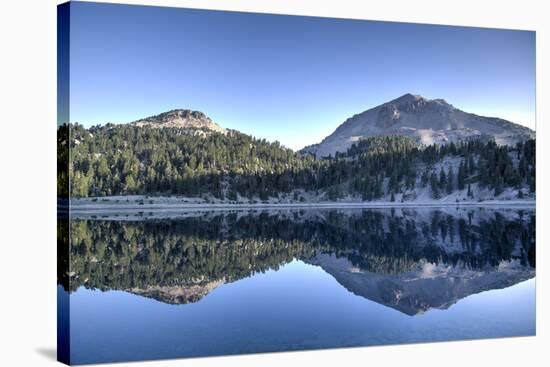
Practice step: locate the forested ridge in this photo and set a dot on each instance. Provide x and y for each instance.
(126, 159)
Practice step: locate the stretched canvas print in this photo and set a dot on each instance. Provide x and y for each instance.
(235, 183)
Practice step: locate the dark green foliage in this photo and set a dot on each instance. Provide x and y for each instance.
(381, 145)
(63, 162)
(497, 169)
(123, 159)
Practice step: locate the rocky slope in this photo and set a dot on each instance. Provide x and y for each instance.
(428, 121)
(185, 119)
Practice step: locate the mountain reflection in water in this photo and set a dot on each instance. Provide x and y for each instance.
(409, 260)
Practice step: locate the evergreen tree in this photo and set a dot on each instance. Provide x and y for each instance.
(442, 179)
(450, 181)
(425, 178)
(461, 179)
(471, 166)
(434, 184)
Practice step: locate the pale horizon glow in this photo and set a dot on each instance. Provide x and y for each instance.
(293, 79)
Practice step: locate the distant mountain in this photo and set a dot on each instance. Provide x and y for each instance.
(427, 121)
(185, 119)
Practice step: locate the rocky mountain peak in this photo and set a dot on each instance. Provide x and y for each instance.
(180, 118)
(427, 121)
(408, 98)
(414, 103)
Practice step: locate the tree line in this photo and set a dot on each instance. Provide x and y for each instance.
(125, 159)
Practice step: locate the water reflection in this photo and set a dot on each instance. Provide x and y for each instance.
(409, 260)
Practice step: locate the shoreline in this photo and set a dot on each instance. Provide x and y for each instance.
(111, 207)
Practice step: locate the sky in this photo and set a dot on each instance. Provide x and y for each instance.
(286, 78)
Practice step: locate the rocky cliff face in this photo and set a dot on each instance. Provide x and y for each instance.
(427, 121)
(184, 119)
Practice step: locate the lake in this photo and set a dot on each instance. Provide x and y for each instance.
(207, 283)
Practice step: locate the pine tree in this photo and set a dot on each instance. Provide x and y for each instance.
(471, 166)
(424, 179)
(461, 175)
(531, 182)
(442, 179)
(450, 181)
(129, 184)
(499, 185)
(434, 186)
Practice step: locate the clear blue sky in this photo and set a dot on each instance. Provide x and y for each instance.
(286, 78)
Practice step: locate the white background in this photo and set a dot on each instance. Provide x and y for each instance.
(28, 165)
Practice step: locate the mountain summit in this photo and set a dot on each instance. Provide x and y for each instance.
(185, 119)
(427, 121)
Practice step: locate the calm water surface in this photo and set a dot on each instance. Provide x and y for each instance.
(215, 283)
